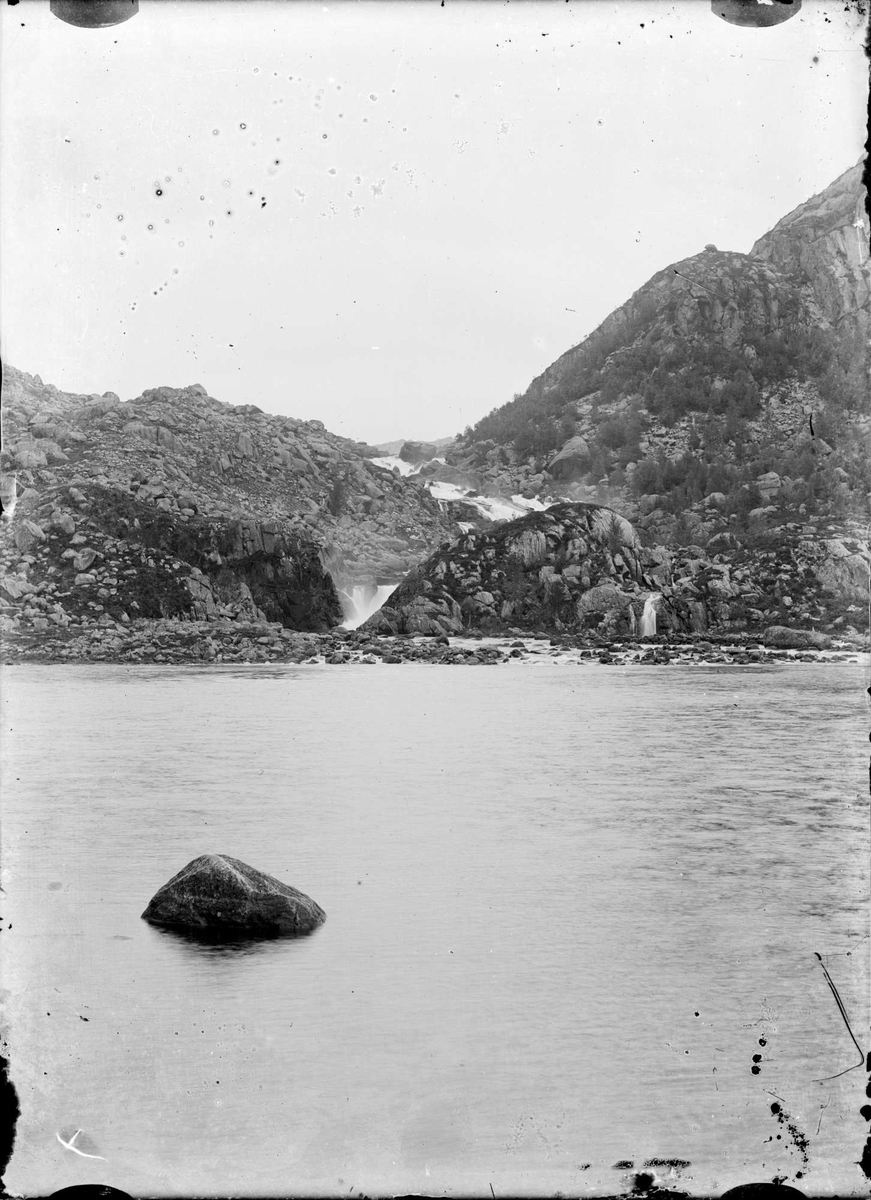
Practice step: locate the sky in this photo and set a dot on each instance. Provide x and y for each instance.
(389, 217)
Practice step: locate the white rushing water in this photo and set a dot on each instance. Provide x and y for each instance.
(572, 917)
(648, 616)
(363, 601)
(393, 462)
(493, 508)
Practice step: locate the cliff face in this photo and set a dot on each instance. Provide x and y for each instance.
(824, 243)
(93, 554)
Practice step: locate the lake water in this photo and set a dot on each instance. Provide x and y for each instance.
(566, 907)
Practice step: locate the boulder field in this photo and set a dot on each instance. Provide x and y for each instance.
(580, 569)
(235, 644)
(217, 893)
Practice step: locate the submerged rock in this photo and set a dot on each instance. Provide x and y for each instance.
(217, 892)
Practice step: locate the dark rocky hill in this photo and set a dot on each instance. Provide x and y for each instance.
(174, 504)
(724, 373)
(581, 569)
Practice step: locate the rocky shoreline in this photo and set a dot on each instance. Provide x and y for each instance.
(206, 643)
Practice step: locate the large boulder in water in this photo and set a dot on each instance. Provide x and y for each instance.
(218, 893)
(781, 638)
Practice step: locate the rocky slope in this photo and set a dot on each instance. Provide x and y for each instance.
(176, 505)
(722, 369)
(581, 569)
(188, 453)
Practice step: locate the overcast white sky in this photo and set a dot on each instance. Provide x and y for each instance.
(391, 216)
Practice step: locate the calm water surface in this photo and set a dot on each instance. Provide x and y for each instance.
(566, 907)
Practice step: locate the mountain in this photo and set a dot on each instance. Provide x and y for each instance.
(722, 372)
(722, 410)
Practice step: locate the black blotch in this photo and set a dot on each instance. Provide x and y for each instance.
(800, 1141)
(762, 1042)
(643, 1181)
(757, 1058)
(81, 1018)
(13, 1111)
(754, 1070)
(262, 201)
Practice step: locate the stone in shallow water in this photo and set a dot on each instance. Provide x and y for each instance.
(783, 638)
(216, 892)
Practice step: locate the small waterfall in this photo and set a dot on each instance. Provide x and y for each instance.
(648, 616)
(362, 600)
(8, 496)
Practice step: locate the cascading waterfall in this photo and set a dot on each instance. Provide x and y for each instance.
(648, 616)
(361, 601)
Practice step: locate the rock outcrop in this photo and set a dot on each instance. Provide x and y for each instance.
(581, 569)
(218, 894)
(96, 554)
(181, 451)
(825, 244)
(574, 566)
(781, 638)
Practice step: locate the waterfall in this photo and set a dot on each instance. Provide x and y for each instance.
(362, 600)
(648, 616)
(8, 496)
